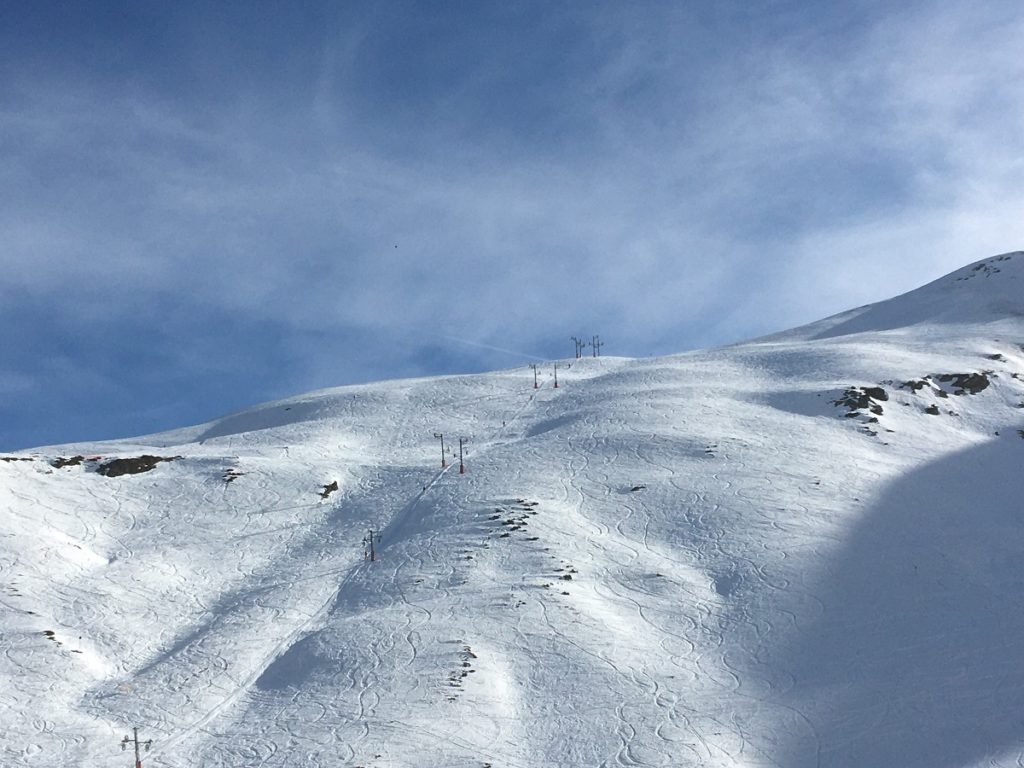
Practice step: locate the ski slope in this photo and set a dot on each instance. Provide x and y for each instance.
(697, 560)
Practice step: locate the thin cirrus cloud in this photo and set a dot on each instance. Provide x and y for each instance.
(202, 208)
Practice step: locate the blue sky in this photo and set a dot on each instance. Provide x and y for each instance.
(204, 206)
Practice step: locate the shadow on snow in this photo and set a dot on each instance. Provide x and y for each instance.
(918, 657)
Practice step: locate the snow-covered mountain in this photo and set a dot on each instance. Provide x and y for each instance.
(806, 550)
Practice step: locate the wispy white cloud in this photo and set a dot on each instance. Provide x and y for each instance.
(673, 178)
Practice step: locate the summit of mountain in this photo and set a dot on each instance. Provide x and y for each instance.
(987, 291)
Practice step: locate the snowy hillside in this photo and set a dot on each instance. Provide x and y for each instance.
(801, 551)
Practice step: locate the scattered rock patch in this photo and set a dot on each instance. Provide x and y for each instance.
(513, 517)
(965, 383)
(865, 403)
(61, 461)
(464, 670)
(131, 466)
(859, 399)
(51, 635)
(986, 268)
(914, 385)
(946, 384)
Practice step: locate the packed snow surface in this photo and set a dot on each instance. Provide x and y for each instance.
(807, 550)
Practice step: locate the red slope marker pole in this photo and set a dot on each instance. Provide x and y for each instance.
(134, 739)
